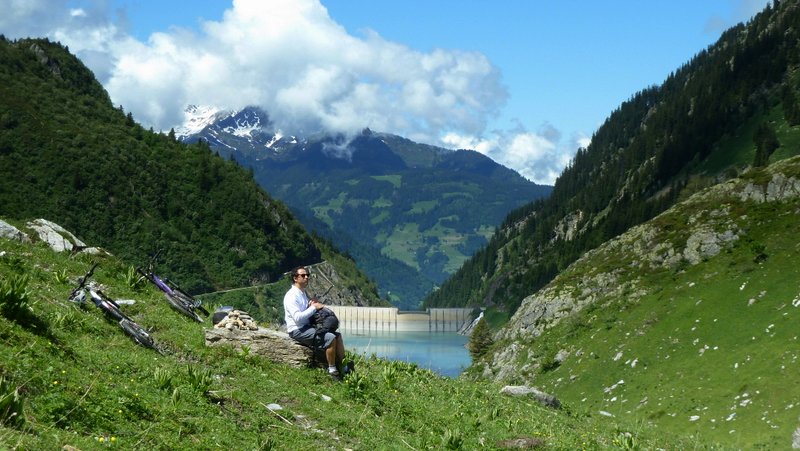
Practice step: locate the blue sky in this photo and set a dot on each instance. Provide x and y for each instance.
(523, 81)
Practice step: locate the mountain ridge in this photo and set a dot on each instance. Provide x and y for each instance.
(406, 204)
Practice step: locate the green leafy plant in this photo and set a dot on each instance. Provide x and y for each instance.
(759, 252)
(14, 262)
(163, 377)
(244, 352)
(356, 384)
(452, 439)
(626, 440)
(390, 376)
(199, 378)
(131, 277)
(10, 404)
(14, 297)
(175, 398)
(61, 276)
(62, 320)
(267, 444)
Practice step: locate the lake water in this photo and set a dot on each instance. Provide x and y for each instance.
(443, 353)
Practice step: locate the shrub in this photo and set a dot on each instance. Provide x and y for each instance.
(14, 297)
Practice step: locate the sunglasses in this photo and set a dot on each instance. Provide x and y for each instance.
(302, 275)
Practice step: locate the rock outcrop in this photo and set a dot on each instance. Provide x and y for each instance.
(12, 233)
(541, 397)
(272, 344)
(58, 238)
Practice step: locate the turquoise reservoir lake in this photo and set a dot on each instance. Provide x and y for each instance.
(442, 352)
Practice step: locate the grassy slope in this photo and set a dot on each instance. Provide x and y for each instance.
(85, 384)
(710, 352)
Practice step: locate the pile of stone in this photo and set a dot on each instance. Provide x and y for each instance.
(237, 319)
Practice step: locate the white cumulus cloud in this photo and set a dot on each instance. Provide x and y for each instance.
(290, 58)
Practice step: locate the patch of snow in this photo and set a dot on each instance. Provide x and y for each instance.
(276, 138)
(196, 118)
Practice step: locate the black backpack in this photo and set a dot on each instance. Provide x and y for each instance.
(324, 321)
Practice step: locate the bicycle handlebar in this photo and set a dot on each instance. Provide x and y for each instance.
(82, 281)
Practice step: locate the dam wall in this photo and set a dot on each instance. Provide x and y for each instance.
(390, 319)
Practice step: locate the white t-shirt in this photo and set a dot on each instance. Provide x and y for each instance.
(297, 308)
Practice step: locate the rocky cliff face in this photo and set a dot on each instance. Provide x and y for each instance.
(693, 231)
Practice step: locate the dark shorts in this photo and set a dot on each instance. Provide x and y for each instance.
(307, 336)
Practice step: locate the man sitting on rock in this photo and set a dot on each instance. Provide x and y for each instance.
(299, 309)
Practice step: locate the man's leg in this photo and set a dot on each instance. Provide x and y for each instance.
(330, 355)
(339, 350)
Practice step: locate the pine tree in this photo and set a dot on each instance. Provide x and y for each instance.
(481, 340)
(766, 142)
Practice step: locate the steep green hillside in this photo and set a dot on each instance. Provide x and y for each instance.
(66, 154)
(69, 377)
(658, 147)
(687, 322)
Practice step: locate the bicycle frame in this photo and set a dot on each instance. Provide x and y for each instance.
(177, 298)
(111, 309)
(161, 284)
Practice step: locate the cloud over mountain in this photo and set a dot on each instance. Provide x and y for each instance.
(293, 60)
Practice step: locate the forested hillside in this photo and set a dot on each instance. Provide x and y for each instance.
(68, 155)
(698, 127)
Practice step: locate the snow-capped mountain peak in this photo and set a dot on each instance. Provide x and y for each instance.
(196, 118)
(248, 128)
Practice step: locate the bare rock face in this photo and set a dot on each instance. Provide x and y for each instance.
(541, 397)
(12, 233)
(269, 343)
(59, 239)
(780, 189)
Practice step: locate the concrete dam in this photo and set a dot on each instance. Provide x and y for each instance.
(390, 319)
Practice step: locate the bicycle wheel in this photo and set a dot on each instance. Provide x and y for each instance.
(183, 307)
(138, 334)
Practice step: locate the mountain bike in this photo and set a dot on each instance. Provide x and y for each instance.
(111, 310)
(177, 298)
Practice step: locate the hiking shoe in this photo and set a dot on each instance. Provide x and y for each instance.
(335, 376)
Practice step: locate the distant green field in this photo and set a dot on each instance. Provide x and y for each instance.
(396, 180)
(423, 206)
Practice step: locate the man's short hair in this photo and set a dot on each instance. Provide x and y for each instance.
(294, 271)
